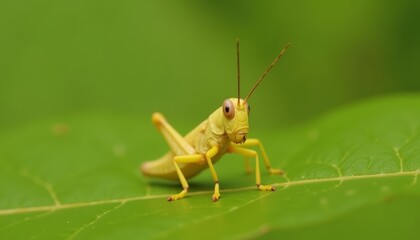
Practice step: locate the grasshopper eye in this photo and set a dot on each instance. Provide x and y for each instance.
(228, 109)
(248, 107)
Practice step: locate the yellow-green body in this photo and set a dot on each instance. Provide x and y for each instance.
(164, 167)
(207, 134)
(224, 131)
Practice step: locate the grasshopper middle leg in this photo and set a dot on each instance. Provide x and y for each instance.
(184, 159)
(196, 158)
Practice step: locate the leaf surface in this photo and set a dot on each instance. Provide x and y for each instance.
(352, 173)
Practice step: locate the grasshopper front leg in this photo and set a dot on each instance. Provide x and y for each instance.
(251, 153)
(255, 142)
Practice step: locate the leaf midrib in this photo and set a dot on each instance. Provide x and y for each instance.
(339, 179)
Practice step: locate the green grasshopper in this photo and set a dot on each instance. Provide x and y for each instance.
(223, 132)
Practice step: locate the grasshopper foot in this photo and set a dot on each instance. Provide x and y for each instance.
(266, 188)
(177, 196)
(216, 194)
(215, 197)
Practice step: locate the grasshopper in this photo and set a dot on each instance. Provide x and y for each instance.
(224, 131)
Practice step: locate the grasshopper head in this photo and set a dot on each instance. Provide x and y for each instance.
(235, 119)
(236, 110)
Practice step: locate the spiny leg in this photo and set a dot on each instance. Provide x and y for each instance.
(255, 142)
(209, 155)
(251, 153)
(183, 159)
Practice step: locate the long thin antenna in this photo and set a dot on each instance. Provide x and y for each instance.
(267, 70)
(238, 70)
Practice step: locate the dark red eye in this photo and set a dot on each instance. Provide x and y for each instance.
(228, 109)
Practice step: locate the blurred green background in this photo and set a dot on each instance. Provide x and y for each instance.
(61, 58)
(79, 61)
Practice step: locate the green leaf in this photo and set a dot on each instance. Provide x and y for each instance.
(350, 174)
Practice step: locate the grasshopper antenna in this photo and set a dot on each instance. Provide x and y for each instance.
(267, 70)
(238, 71)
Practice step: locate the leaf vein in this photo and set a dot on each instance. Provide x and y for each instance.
(139, 198)
(90, 224)
(45, 185)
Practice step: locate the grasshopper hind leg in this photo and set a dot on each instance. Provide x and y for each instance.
(177, 143)
(182, 151)
(164, 167)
